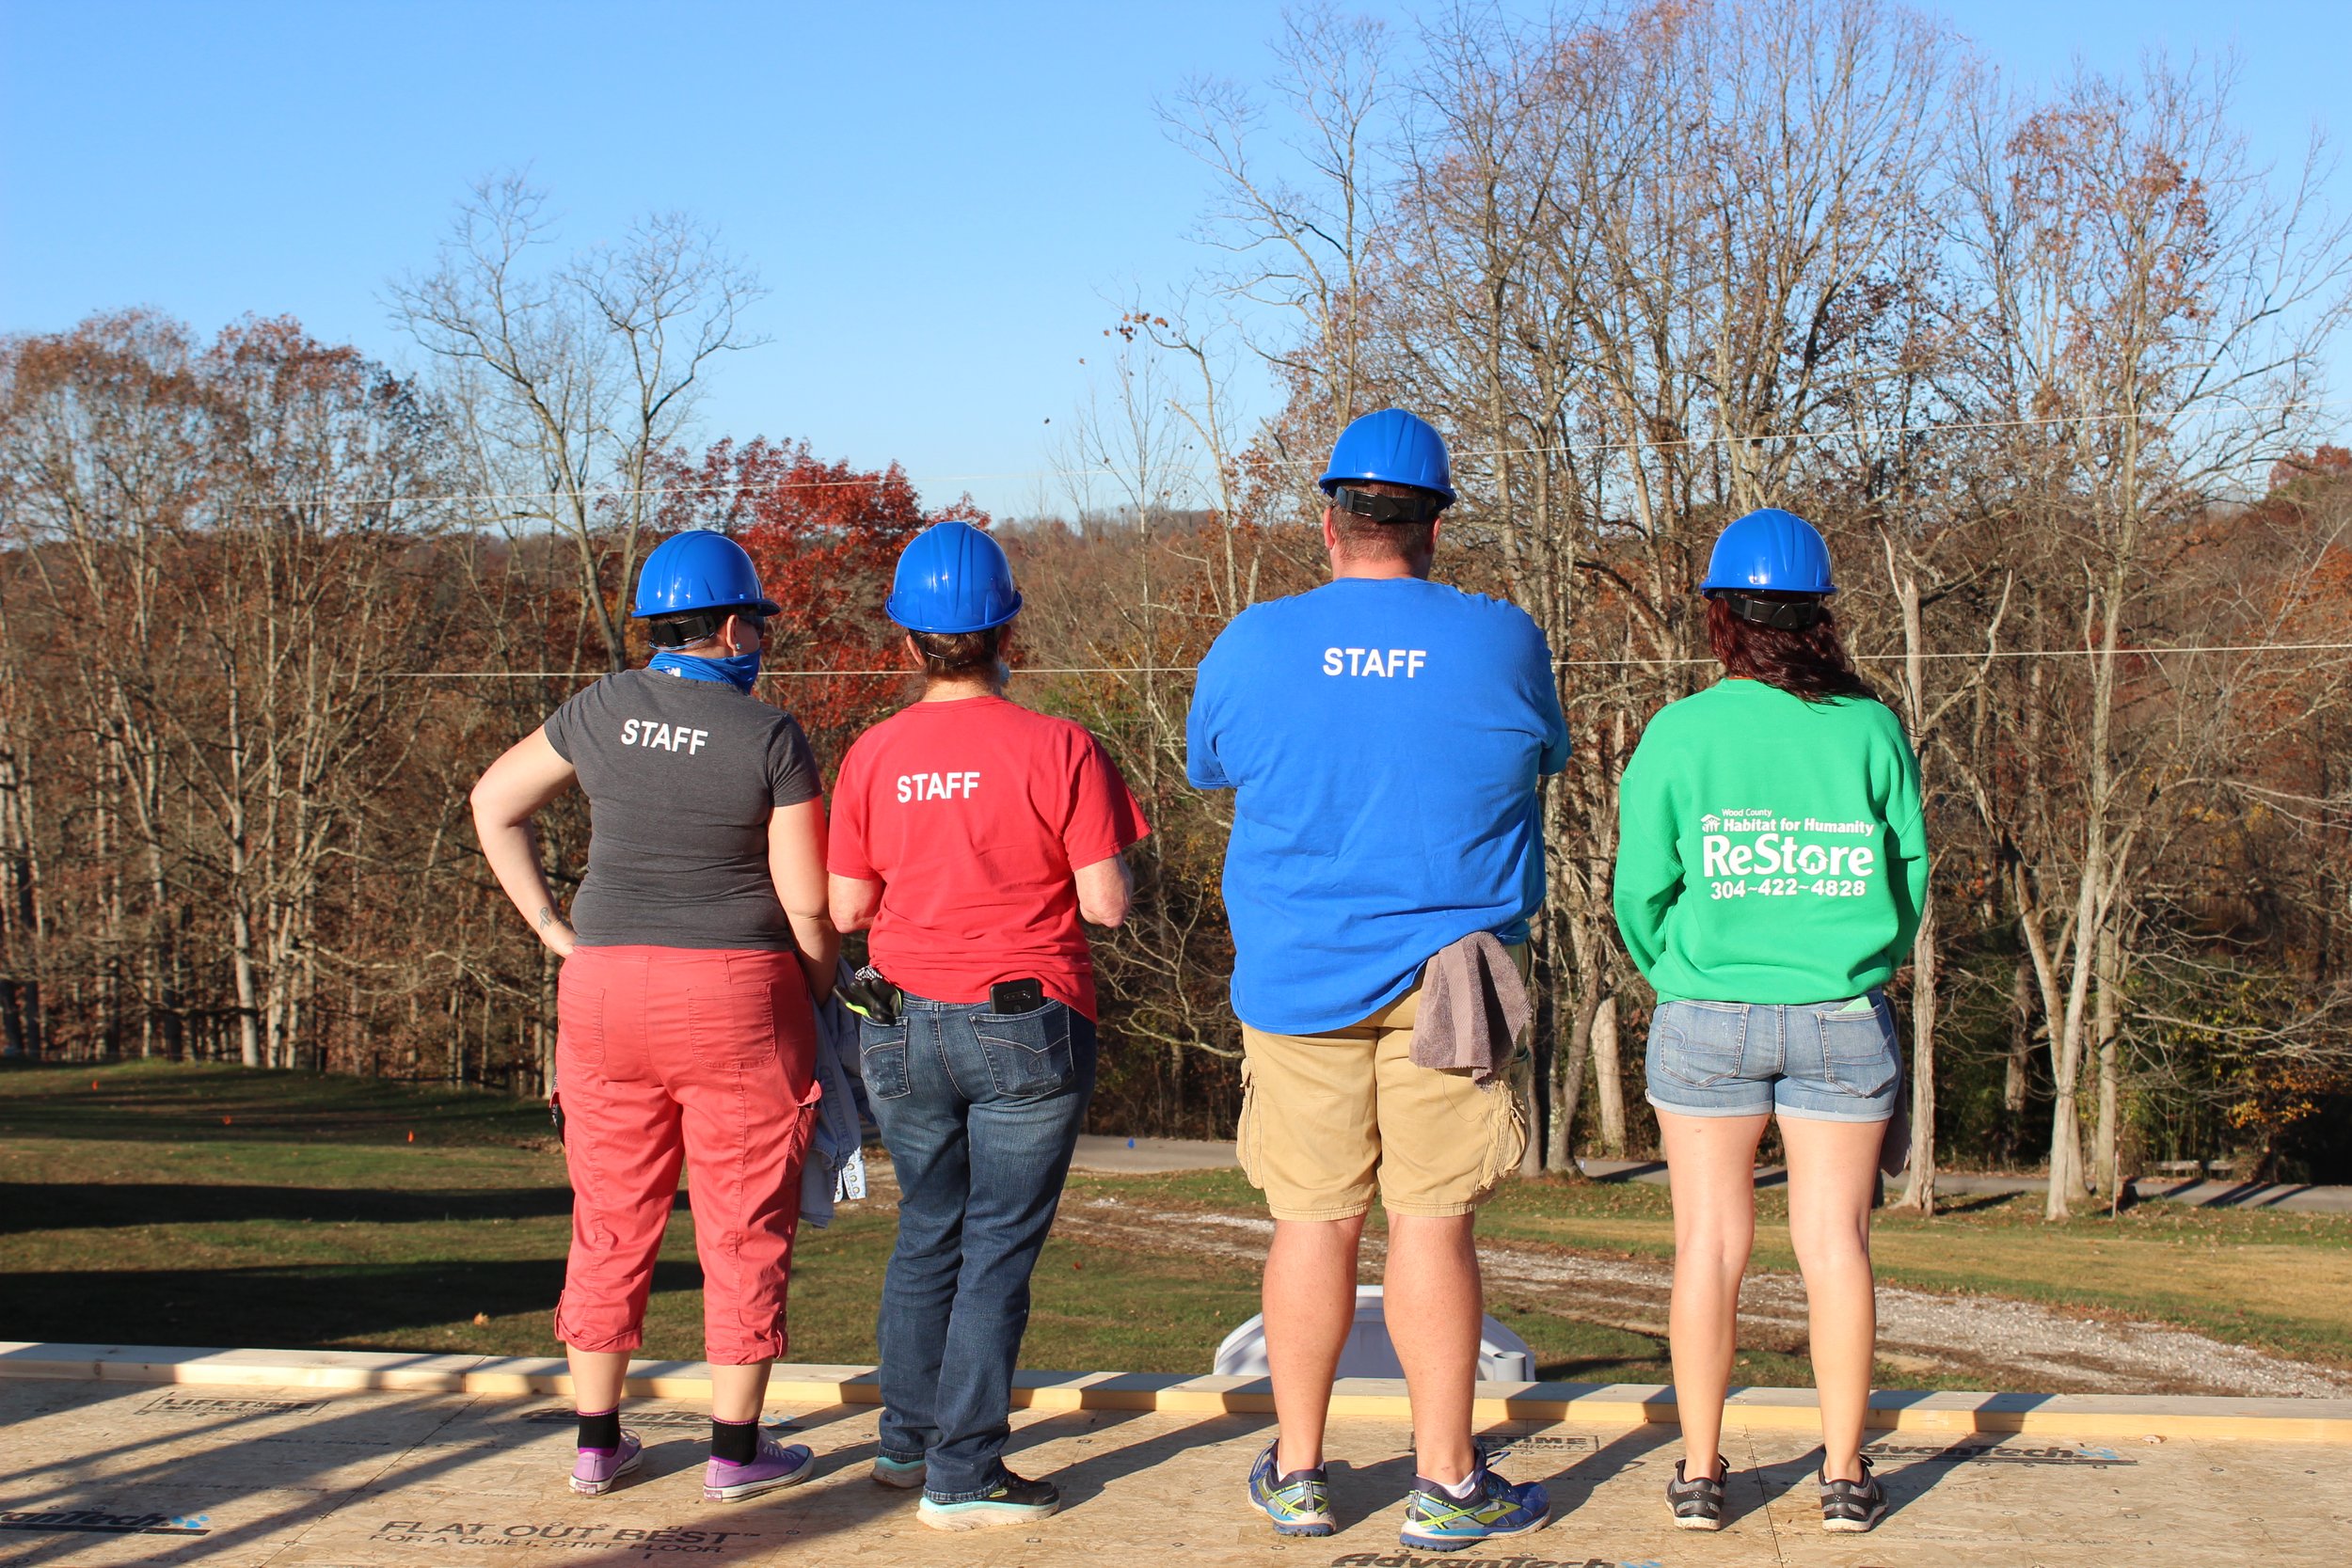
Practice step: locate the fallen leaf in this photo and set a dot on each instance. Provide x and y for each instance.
(481, 1320)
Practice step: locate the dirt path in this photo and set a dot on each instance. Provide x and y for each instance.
(1993, 1341)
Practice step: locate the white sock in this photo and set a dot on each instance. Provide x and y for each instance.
(1463, 1490)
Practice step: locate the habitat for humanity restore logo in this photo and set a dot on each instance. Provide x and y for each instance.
(1778, 857)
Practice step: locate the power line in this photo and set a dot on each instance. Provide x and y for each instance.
(1567, 450)
(1557, 663)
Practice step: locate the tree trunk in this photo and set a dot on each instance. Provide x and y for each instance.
(2019, 1076)
(2108, 1166)
(1609, 1077)
(1919, 1186)
(248, 999)
(1568, 1084)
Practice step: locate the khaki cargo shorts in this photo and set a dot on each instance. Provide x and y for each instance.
(1327, 1118)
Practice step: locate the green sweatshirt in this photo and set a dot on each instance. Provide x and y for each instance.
(1768, 848)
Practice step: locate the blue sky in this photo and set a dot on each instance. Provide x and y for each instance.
(941, 199)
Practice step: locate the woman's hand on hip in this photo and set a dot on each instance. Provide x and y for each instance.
(556, 933)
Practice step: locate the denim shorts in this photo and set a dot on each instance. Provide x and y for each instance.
(1817, 1061)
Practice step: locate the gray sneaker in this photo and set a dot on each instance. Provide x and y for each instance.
(1698, 1504)
(1850, 1506)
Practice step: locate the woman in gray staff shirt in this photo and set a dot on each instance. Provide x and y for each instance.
(684, 1028)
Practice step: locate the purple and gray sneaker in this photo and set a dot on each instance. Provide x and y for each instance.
(773, 1467)
(598, 1468)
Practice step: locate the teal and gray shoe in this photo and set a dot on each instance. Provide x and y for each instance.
(903, 1474)
(1013, 1501)
(1437, 1521)
(1298, 1503)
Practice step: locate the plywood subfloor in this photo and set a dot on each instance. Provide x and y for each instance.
(102, 1473)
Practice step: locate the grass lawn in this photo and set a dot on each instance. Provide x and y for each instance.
(147, 1203)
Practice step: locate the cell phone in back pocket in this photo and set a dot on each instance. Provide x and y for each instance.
(1016, 996)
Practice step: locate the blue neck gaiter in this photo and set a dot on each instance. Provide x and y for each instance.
(739, 671)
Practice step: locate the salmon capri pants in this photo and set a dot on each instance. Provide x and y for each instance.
(701, 1055)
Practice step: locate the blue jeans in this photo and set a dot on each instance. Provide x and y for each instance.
(1820, 1061)
(980, 1112)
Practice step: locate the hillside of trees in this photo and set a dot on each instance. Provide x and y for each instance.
(2046, 370)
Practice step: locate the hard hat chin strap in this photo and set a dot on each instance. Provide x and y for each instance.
(1779, 615)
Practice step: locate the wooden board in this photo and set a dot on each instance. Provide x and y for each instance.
(1604, 1404)
(103, 1470)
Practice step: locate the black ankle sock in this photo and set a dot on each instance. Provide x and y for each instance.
(600, 1432)
(738, 1442)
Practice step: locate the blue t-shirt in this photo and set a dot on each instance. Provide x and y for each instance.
(1383, 738)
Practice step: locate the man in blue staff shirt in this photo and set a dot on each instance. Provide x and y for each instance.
(1385, 737)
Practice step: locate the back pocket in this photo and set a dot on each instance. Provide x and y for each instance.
(1028, 1054)
(882, 1057)
(1695, 1045)
(732, 1026)
(1859, 1052)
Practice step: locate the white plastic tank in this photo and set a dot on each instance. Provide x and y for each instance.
(1502, 1355)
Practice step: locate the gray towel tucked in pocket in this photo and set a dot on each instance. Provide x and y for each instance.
(1473, 1008)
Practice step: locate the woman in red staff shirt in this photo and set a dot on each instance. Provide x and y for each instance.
(972, 835)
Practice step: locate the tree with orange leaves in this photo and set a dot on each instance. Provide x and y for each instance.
(827, 537)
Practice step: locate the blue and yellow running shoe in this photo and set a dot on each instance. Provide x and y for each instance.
(1437, 1521)
(1298, 1503)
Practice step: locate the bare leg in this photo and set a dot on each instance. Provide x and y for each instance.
(1710, 1162)
(1833, 1174)
(596, 1376)
(1309, 1306)
(738, 1392)
(1433, 1312)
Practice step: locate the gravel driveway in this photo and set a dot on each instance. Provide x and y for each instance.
(1992, 1342)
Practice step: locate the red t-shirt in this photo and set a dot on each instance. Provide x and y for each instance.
(972, 814)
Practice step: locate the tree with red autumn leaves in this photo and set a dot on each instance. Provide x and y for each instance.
(826, 537)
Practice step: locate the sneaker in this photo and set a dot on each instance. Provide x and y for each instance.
(1850, 1506)
(1014, 1502)
(1437, 1521)
(1298, 1503)
(772, 1468)
(1698, 1504)
(904, 1474)
(597, 1468)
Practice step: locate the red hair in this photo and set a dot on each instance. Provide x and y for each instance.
(1811, 663)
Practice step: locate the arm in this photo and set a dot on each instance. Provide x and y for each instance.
(796, 861)
(1203, 770)
(1907, 843)
(1649, 874)
(527, 777)
(1104, 890)
(855, 901)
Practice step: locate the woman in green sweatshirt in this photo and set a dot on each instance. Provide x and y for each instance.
(1771, 868)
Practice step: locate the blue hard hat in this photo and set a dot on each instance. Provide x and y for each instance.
(699, 570)
(1394, 446)
(952, 578)
(1769, 551)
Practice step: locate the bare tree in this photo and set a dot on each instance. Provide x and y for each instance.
(572, 381)
(2154, 313)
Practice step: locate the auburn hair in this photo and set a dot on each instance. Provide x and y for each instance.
(953, 654)
(1811, 664)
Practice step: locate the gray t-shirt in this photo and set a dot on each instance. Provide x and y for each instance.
(682, 776)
